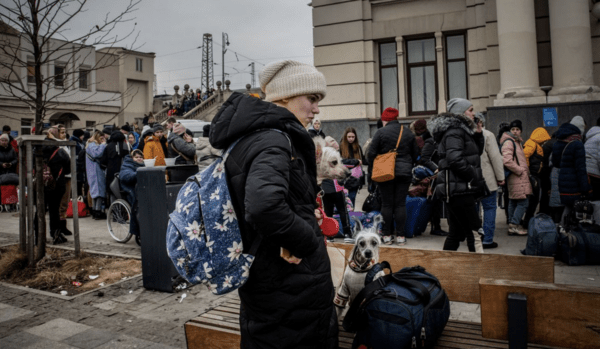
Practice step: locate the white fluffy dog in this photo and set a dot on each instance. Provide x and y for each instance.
(364, 256)
(329, 162)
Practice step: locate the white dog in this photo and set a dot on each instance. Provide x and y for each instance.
(364, 256)
(329, 162)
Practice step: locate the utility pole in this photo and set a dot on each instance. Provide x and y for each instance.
(207, 63)
(252, 73)
(225, 42)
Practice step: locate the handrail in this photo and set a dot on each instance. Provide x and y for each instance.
(159, 114)
(201, 107)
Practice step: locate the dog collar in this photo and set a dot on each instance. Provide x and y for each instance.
(355, 267)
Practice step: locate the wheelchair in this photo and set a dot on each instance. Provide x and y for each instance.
(118, 218)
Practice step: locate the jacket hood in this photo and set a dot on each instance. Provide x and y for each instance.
(567, 130)
(595, 130)
(443, 122)
(240, 115)
(75, 139)
(128, 161)
(151, 138)
(116, 136)
(540, 135)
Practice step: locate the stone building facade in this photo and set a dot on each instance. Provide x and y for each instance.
(91, 88)
(511, 58)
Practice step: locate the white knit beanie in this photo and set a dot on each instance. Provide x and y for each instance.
(286, 79)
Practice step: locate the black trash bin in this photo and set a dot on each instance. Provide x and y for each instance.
(157, 196)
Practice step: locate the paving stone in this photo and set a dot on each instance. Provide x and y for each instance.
(126, 342)
(19, 340)
(91, 338)
(129, 297)
(108, 305)
(58, 329)
(48, 344)
(8, 312)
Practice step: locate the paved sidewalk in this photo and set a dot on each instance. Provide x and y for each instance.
(126, 315)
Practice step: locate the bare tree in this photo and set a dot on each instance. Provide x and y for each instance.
(35, 34)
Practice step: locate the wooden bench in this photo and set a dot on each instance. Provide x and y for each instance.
(554, 314)
(458, 272)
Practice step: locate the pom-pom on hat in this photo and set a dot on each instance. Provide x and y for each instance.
(389, 114)
(287, 79)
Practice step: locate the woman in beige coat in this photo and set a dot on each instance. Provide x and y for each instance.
(519, 186)
(493, 173)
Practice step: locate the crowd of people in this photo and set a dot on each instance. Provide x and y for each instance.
(100, 156)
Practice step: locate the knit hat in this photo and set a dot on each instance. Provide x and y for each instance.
(5, 128)
(178, 129)
(157, 127)
(420, 126)
(78, 133)
(579, 122)
(286, 79)
(458, 105)
(107, 130)
(145, 128)
(136, 151)
(480, 116)
(126, 128)
(517, 123)
(389, 114)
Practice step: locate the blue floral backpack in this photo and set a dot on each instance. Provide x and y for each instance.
(203, 235)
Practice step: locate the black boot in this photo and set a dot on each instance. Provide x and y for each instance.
(63, 228)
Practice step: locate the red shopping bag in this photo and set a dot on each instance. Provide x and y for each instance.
(82, 210)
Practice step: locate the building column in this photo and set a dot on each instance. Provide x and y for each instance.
(439, 49)
(402, 107)
(517, 42)
(572, 66)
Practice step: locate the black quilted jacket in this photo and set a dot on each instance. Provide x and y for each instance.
(273, 188)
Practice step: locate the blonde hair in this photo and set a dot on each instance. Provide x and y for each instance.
(95, 138)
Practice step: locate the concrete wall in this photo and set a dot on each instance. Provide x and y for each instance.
(107, 76)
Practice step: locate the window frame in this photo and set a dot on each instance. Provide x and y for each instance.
(30, 77)
(420, 64)
(90, 126)
(63, 75)
(382, 67)
(25, 127)
(87, 78)
(448, 61)
(139, 64)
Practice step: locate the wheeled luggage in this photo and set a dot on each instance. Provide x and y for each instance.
(418, 213)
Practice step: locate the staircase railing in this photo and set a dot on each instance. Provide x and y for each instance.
(197, 110)
(162, 114)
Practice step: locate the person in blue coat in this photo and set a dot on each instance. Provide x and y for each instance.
(568, 153)
(128, 180)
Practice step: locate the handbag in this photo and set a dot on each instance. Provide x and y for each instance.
(372, 202)
(385, 164)
(82, 210)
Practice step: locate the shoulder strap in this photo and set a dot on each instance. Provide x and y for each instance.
(514, 149)
(399, 137)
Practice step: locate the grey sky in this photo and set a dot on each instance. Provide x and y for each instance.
(264, 30)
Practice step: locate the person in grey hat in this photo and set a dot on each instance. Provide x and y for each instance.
(272, 181)
(461, 106)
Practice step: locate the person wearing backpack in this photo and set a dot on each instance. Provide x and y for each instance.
(287, 301)
(519, 187)
(112, 157)
(534, 154)
(460, 181)
(569, 154)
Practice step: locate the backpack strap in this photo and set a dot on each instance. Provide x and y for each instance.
(514, 149)
(375, 270)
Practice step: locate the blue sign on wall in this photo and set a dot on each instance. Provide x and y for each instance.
(550, 117)
(14, 134)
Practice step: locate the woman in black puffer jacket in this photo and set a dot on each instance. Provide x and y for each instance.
(271, 174)
(460, 180)
(393, 193)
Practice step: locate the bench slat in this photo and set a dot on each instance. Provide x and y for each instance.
(559, 315)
